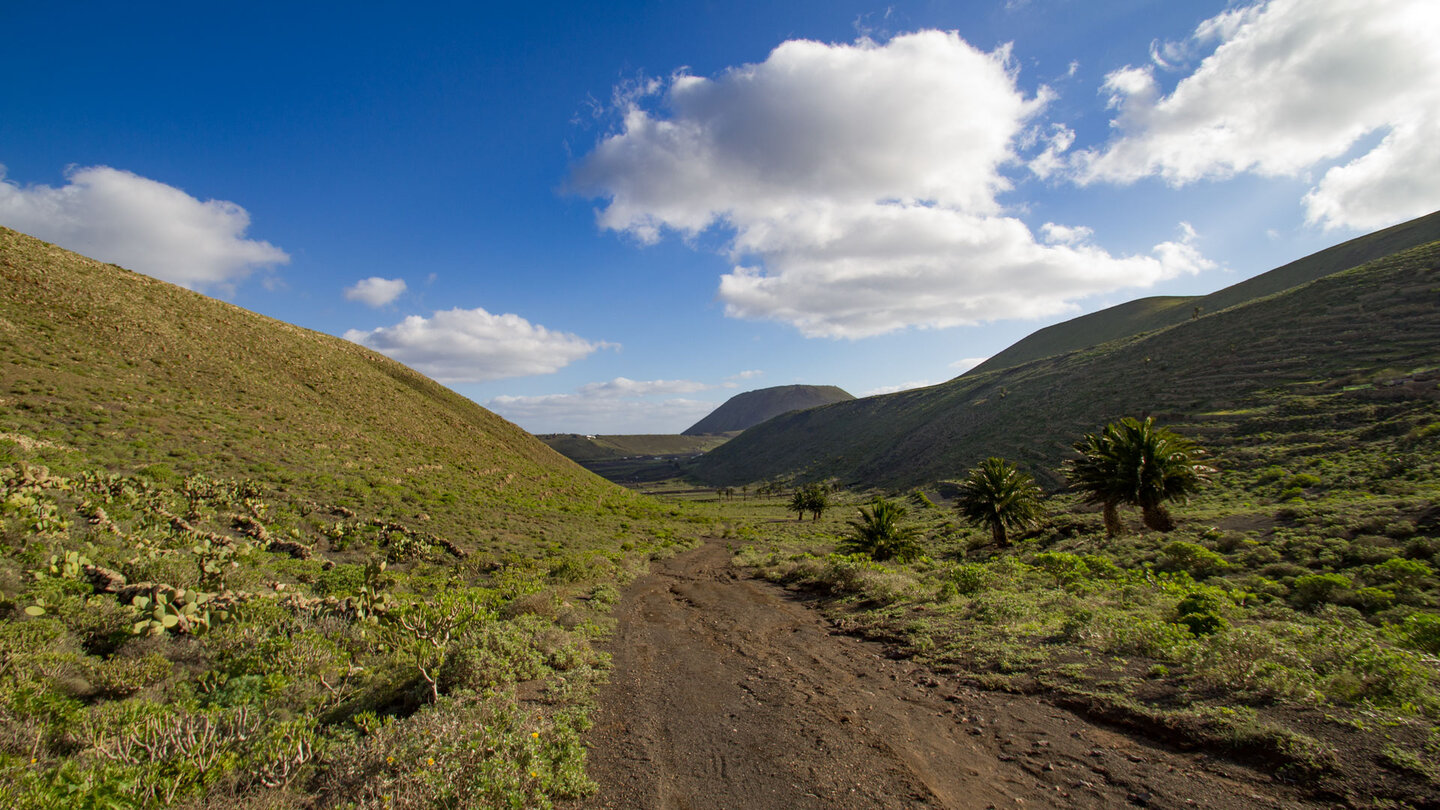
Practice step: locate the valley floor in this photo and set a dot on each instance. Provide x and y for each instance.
(729, 692)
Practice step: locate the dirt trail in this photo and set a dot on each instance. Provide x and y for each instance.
(728, 694)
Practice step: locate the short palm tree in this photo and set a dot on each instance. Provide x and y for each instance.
(798, 504)
(810, 498)
(1134, 462)
(998, 495)
(878, 532)
(1097, 474)
(817, 500)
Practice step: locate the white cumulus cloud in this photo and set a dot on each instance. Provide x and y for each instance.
(857, 187)
(1065, 235)
(930, 266)
(472, 345)
(1397, 180)
(1290, 86)
(145, 225)
(375, 291)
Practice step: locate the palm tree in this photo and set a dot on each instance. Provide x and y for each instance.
(799, 503)
(817, 499)
(997, 494)
(1098, 474)
(878, 532)
(1167, 468)
(1136, 463)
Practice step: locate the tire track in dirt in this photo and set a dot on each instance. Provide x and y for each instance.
(726, 693)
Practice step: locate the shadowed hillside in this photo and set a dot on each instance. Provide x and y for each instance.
(585, 449)
(746, 410)
(632, 459)
(1369, 326)
(1148, 314)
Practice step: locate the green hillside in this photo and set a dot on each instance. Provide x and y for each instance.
(105, 367)
(1360, 328)
(746, 410)
(1148, 314)
(244, 564)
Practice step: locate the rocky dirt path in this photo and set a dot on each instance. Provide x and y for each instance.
(726, 693)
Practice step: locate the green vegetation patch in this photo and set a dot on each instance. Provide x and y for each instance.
(1300, 630)
(172, 641)
(246, 564)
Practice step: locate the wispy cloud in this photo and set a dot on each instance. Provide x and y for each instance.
(620, 405)
(897, 388)
(626, 387)
(472, 345)
(966, 363)
(145, 225)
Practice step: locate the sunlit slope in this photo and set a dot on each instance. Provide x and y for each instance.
(1370, 325)
(100, 366)
(1148, 314)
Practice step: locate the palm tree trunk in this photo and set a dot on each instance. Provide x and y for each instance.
(1157, 518)
(997, 530)
(1113, 526)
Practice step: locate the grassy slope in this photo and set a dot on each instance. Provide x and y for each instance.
(159, 445)
(1364, 325)
(746, 410)
(1147, 314)
(129, 371)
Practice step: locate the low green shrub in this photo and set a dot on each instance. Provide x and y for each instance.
(969, 578)
(1315, 589)
(1420, 631)
(1200, 613)
(1192, 558)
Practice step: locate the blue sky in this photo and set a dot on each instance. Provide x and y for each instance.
(609, 218)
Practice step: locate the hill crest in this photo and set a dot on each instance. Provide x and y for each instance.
(1157, 312)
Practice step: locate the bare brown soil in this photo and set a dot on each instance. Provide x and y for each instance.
(729, 693)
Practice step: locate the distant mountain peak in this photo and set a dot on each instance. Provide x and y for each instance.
(744, 411)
